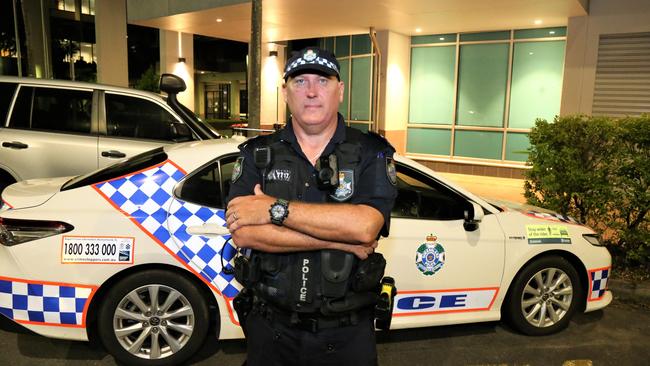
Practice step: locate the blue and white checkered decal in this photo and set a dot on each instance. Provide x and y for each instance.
(598, 283)
(146, 197)
(51, 304)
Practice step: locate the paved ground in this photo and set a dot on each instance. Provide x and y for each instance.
(618, 335)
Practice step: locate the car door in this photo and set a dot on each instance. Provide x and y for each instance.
(132, 124)
(440, 267)
(50, 133)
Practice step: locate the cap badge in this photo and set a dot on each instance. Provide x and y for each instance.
(309, 55)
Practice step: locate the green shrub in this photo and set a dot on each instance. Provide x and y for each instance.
(149, 81)
(596, 169)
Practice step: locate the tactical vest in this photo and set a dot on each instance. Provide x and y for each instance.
(309, 282)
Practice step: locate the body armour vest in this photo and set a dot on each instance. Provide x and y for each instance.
(314, 281)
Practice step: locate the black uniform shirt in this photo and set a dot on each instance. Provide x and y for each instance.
(373, 188)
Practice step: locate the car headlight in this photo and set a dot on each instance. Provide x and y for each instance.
(593, 239)
(17, 231)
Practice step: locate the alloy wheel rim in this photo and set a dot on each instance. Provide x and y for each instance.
(547, 297)
(153, 321)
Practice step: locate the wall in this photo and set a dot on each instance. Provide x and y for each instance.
(174, 45)
(605, 17)
(272, 108)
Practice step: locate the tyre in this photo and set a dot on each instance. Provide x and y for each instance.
(543, 297)
(5, 180)
(154, 317)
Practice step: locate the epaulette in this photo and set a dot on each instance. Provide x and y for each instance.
(381, 138)
(258, 140)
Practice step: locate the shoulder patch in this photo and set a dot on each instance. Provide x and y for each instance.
(391, 172)
(237, 169)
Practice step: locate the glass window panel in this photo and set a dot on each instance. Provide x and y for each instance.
(434, 38)
(485, 36)
(482, 81)
(478, 144)
(536, 88)
(62, 110)
(342, 46)
(432, 85)
(360, 89)
(328, 43)
(517, 145)
(540, 33)
(428, 141)
(364, 127)
(345, 74)
(138, 118)
(361, 44)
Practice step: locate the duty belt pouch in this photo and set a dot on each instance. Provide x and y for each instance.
(247, 270)
(369, 273)
(336, 267)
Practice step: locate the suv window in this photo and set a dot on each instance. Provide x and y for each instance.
(6, 94)
(139, 118)
(421, 197)
(209, 185)
(53, 109)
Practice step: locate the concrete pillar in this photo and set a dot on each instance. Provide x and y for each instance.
(394, 74)
(272, 106)
(177, 57)
(110, 33)
(37, 30)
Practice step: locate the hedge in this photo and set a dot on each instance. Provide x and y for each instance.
(596, 169)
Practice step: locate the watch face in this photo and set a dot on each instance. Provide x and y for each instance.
(277, 211)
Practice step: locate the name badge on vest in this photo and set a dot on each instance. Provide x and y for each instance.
(280, 175)
(345, 190)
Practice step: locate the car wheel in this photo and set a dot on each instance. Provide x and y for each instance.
(544, 296)
(154, 317)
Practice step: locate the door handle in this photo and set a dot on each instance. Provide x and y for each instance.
(113, 154)
(208, 230)
(15, 145)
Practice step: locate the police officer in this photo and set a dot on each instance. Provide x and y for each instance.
(310, 202)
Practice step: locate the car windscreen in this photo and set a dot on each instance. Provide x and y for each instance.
(131, 165)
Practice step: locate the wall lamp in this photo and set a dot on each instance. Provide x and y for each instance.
(273, 54)
(181, 59)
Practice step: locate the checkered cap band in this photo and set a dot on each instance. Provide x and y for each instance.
(598, 283)
(317, 61)
(147, 198)
(50, 304)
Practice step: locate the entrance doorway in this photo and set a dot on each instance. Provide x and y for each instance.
(217, 101)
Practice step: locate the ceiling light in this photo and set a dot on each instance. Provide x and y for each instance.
(551, 32)
(219, 20)
(442, 38)
(537, 21)
(418, 30)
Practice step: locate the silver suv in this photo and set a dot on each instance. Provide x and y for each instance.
(51, 128)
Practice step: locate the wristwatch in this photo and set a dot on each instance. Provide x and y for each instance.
(279, 211)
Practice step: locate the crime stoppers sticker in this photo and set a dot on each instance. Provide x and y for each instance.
(98, 250)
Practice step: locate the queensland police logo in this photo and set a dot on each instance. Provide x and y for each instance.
(391, 172)
(430, 256)
(346, 185)
(309, 55)
(237, 169)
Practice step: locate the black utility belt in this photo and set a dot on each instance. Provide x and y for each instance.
(312, 322)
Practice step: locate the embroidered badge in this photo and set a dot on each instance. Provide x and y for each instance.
(391, 172)
(345, 190)
(309, 55)
(282, 175)
(430, 256)
(237, 169)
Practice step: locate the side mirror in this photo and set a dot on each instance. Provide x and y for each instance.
(180, 132)
(172, 84)
(473, 216)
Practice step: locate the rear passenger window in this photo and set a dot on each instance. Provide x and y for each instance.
(6, 94)
(139, 118)
(209, 185)
(52, 109)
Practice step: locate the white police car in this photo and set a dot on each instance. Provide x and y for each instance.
(134, 254)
